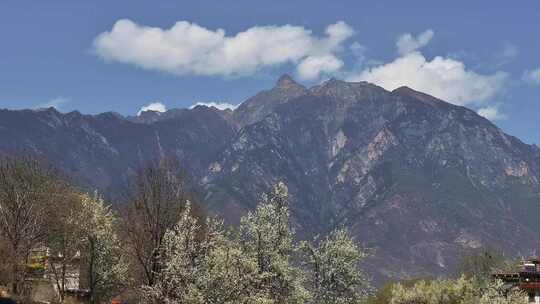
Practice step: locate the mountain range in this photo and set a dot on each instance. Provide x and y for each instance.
(417, 180)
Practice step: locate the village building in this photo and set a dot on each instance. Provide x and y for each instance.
(526, 279)
(44, 273)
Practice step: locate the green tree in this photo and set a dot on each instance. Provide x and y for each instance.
(482, 263)
(460, 291)
(383, 295)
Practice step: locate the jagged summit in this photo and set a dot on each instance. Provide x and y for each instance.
(265, 102)
(285, 81)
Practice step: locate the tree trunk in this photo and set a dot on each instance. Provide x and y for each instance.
(15, 284)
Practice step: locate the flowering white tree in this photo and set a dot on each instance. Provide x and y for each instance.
(198, 265)
(267, 242)
(204, 263)
(85, 250)
(463, 290)
(106, 267)
(497, 293)
(66, 219)
(334, 270)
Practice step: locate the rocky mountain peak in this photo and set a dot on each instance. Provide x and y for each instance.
(405, 90)
(286, 81)
(386, 161)
(257, 107)
(286, 84)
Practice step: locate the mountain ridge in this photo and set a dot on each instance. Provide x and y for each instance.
(417, 179)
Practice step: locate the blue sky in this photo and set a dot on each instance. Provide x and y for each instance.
(96, 56)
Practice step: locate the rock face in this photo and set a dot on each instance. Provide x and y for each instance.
(418, 180)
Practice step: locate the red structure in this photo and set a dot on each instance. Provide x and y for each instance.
(527, 279)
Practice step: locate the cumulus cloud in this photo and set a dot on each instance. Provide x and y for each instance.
(532, 76)
(442, 77)
(218, 105)
(407, 43)
(491, 113)
(187, 48)
(154, 106)
(358, 50)
(313, 66)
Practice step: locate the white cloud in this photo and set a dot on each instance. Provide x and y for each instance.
(407, 43)
(491, 113)
(154, 106)
(55, 103)
(532, 76)
(358, 51)
(218, 105)
(443, 77)
(313, 66)
(187, 48)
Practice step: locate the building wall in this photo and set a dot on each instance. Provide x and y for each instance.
(43, 291)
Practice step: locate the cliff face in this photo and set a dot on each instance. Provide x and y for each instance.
(417, 179)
